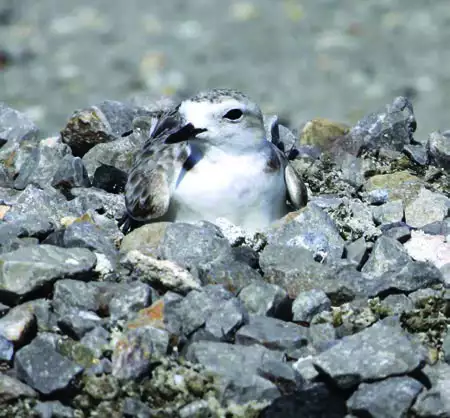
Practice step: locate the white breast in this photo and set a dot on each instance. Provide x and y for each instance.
(232, 187)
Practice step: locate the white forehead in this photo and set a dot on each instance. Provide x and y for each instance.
(203, 112)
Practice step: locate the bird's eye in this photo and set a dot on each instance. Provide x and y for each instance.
(233, 114)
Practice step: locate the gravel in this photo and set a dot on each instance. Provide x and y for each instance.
(339, 309)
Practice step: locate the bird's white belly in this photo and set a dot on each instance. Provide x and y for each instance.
(236, 188)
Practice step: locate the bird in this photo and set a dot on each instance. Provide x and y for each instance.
(207, 158)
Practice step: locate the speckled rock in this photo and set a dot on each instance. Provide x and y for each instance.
(43, 265)
(390, 398)
(310, 303)
(12, 389)
(18, 324)
(71, 172)
(15, 126)
(438, 146)
(374, 353)
(388, 213)
(43, 368)
(426, 208)
(261, 298)
(311, 229)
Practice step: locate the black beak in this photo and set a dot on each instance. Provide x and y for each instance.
(183, 134)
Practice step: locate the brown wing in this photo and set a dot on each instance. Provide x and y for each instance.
(155, 171)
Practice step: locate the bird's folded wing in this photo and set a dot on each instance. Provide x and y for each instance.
(296, 190)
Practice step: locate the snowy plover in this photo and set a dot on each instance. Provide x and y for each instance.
(209, 158)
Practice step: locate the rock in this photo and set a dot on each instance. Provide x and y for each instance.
(146, 239)
(438, 147)
(118, 153)
(186, 315)
(87, 235)
(190, 246)
(110, 204)
(446, 348)
(313, 230)
(69, 294)
(416, 153)
(12, 389)
(18, 325)
(388, 213)
(434, 402)
(46, 202)
(135, 408)
(310, 303)
(315, 400)
(390, 398)
(356, 252)
(43, 368)
(372, 354)
(437, 228)
(432, 248)
(387, 254)
(70, 173)
(30, 269)
(445, 271)
(397, 304)
(391, 129)
(76, 323)
(129, 298)
(352, 169)
(224, 321)
(261, 298)
(400, 185)
(105, 122)
(322, 336)
(41, 165)
(273, 334)
(426, 208)
(109, 178)
(239, 367)
(322, 132)
(53, 409)
(97, 340)
(6, 349)
(133, 354)
(15, 126)
(160, 273)
(399, 232)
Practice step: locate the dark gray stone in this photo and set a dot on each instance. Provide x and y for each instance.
(372, 354)
(239, 368)
(435, 402)
(110, 179)
(104, 122)
(69, 294)
(15, 125)
(97, 340)
(356, 252)
(188, 314)
(391, 129)
(387, 254)
(315, 400)
(77, 323)
(437, 228)
(12, 389)
(30, 269)
(130, 298)
(310, 303)
(311, 229)
(398, 304)
(191, 246)
(446, 348)
(71, 172)
(90, 236)
(45, 318)
(416, 153)
(53, 409)
(226, 319)
(273, 334)
(261, 298)
(18, 325)
(399, 233)
(46, 203)
(112, 205)
(322, 336)
(41, 165)
(43, 368)
(388, 213)
(438, 147)
(390, 398)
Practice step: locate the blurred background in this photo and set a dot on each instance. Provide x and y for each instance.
(338, 59)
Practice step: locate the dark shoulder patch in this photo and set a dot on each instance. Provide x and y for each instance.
(273, 163)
